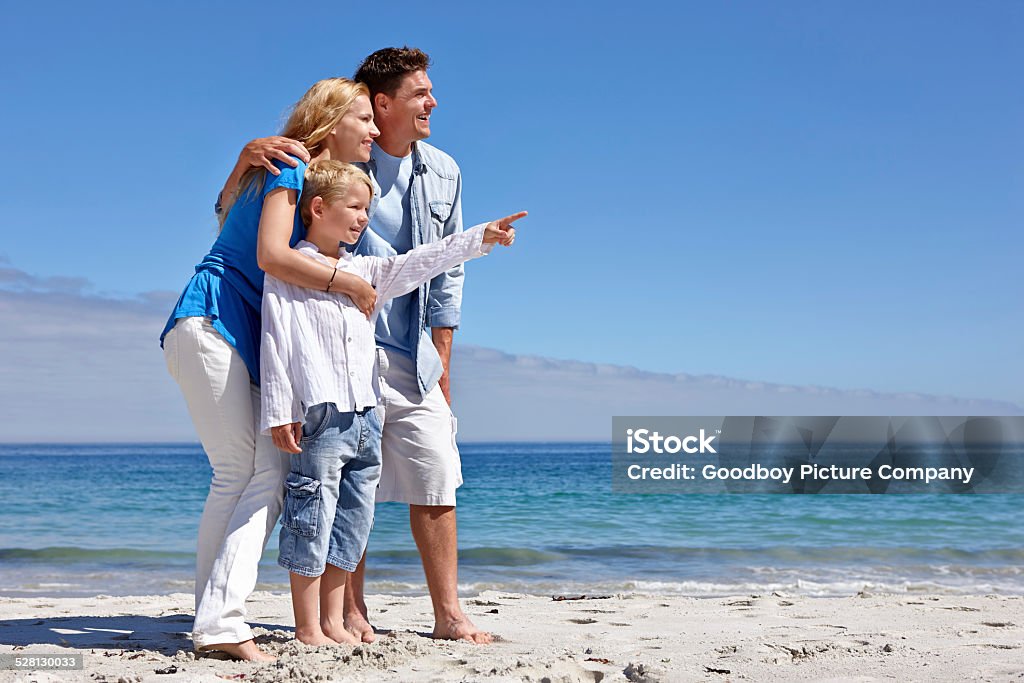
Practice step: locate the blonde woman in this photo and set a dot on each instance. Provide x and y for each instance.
(211, 343)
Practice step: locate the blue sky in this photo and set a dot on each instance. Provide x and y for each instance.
(801, 193)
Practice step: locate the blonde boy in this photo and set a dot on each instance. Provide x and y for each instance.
(319, 389)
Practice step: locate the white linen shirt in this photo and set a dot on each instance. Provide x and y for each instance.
(318, 347)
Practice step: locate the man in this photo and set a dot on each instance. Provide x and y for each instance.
(417, 200)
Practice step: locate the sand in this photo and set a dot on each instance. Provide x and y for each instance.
(769, 637)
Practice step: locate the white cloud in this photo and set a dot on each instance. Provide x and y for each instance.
(507, 397)
(18, 280)
(75, 366)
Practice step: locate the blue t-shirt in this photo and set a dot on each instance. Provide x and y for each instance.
(228, 285)
(392, 220)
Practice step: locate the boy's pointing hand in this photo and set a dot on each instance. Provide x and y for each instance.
(501, 230)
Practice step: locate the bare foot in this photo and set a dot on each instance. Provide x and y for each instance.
(339, 633)
(247, 651)
(358, 626)
(313, 636)
(461, 628)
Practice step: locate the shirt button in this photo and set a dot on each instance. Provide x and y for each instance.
(349, 339)
(352, 374)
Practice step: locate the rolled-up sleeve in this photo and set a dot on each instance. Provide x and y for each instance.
(279, 403)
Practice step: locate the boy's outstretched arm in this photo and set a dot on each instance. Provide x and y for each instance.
(398, 275)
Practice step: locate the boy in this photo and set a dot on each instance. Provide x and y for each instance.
(319, 389)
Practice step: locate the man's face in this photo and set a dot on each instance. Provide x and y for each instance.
(408, 115)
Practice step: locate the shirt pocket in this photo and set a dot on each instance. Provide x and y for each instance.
(440, 212)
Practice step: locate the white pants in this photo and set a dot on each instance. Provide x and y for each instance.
(248, 477)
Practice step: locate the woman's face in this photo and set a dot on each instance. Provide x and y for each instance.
(352, 138)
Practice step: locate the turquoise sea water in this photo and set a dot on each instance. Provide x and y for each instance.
(539, 518)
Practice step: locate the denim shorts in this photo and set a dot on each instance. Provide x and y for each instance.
(329, 493)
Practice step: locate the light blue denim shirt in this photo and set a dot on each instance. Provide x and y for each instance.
(435, 202)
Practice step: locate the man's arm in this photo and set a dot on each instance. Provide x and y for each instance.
(444, 300)
(442, 338)
(261, 153)
(500, 232)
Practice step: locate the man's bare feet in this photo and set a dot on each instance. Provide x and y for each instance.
(460, 628)
(247, 651)
(339, 632)
(358, 626)
(313, 636)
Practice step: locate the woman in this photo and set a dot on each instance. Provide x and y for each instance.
(211, 344)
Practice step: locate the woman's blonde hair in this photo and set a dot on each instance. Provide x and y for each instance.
(330, 180)
(312, 119)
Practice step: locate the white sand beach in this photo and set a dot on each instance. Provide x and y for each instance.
(639, 638)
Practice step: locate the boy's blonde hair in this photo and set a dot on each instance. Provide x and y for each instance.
(313, 117)
(330, 180)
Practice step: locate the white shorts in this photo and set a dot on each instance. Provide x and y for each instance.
(420, 459)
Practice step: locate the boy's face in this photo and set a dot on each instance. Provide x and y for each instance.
(346, 218)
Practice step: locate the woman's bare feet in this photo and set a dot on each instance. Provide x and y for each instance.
(460, 627)
(247, 651)
(313, 636)
(358, 626)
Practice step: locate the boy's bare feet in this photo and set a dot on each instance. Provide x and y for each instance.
(460, 627)
(358, 626)
(313, 636)
(247, 651)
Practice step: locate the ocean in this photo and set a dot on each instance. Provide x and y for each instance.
(121, 519)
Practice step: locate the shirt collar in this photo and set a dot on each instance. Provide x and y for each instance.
(311, 249)
(418, 166)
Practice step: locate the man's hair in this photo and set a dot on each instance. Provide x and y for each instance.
(330, 180)
(383, 71)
